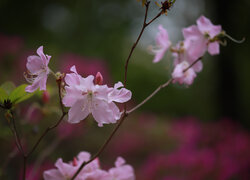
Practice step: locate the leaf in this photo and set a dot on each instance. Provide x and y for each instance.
(19, 94)
(8, 87)
(3, 95)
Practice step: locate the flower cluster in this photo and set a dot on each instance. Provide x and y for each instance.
(85, 97)
(197, 40)
(92, 171)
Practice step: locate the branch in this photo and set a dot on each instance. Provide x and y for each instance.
(102, 147)
(160, 87)
(55, 125)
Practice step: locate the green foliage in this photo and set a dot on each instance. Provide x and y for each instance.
(8, 91)
(19, 94)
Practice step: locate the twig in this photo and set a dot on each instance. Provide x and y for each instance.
(102, 147)
(160, 87)
(151, 95)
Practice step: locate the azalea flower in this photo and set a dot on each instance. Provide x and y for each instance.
(203, 37)
(121, 171)
(184, 51)
(38, 71)
(90, 171)
(84, 97)
(181, 77)
(67, 170)
(162, 44)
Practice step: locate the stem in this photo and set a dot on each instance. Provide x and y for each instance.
(151, 95)
(135, 44)
(45, 133)
(160, 87)
(102, 147)
(59, 83)
(145, 24)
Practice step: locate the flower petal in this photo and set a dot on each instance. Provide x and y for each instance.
(214, 48)
(34, 64)
(119, 95)
(52, 174)
(105, 113)
(79, 111)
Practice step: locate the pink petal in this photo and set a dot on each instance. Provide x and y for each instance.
(65, 169)
(191, 32)
(183, 77)
(84, 156)
(79, 111)
(205, 26)
(45, 59)
(125, 172)
(34, 64)
(71, 96)
(43, 79)
(119, 95)
(105, 113)
(214, 48)
(34, 86)
(119, 162)
(159, 53)
(162, 44)
(52, 174)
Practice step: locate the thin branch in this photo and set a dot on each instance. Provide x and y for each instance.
(151, 95)
(160, 87)
(55, 125)
(135, 44)
(102, 147)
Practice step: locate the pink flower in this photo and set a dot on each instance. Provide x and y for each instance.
(90, 171)
(202, 37)
(38, 70)
(122, 171)
(84, 97)
(67, 170)
(162, 44)
(184, 51)
(186, 77)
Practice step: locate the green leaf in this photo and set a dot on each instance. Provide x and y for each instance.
(19, 94)
(8, 87)
(3, 95)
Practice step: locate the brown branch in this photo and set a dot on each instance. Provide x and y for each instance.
(102, 147)
(160, 87)
(145, 24)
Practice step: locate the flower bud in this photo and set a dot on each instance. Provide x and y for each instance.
(98, 78)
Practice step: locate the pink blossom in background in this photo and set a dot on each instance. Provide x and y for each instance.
(218, 151)
(182, 77)
(92, 171)
(85, 66)
(10, 45)
(84, 97)
(38, 70)
(201, 37)
(162, 44)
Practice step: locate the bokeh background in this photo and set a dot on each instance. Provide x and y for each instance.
(199, 132)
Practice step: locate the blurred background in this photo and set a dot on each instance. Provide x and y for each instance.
(199, 132)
